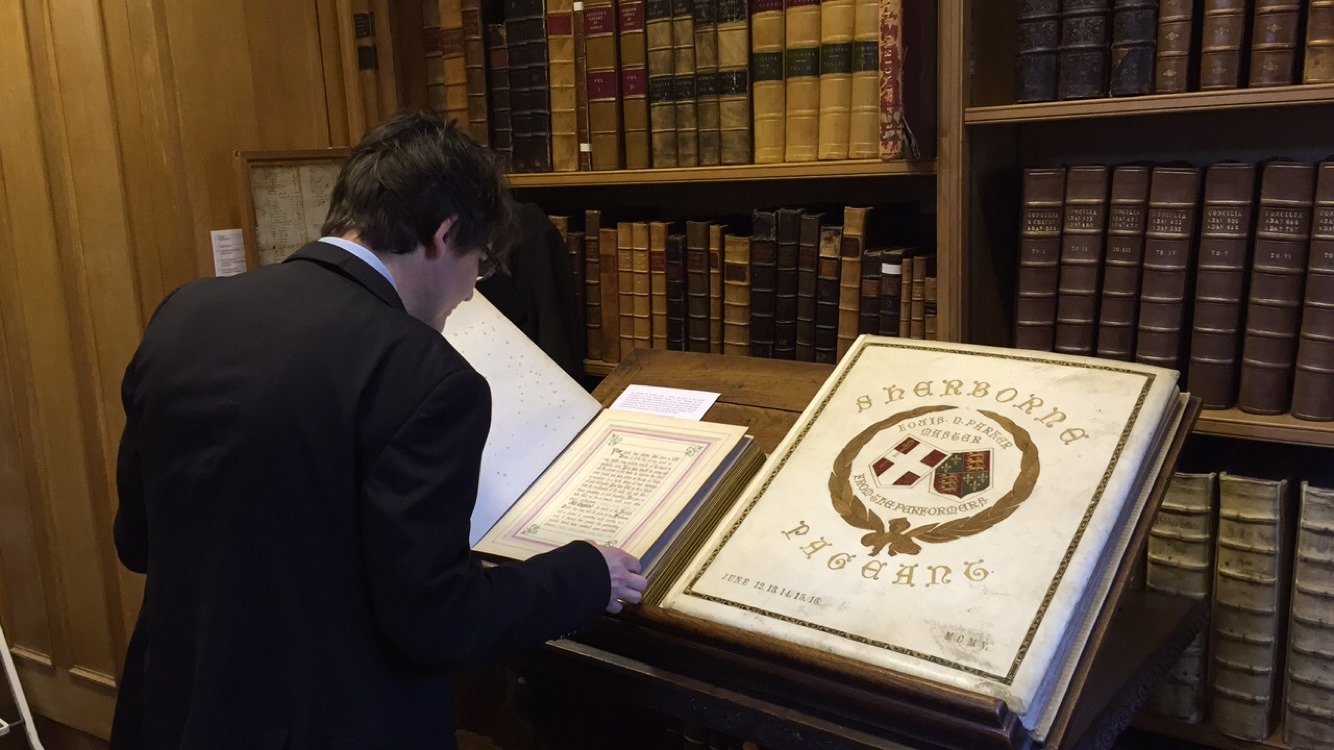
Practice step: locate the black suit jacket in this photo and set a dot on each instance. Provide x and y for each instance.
(299, 463)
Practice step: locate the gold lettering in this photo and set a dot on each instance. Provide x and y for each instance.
(873, 569)
(980, 389)
(815, 546)
(1028, 406)
(944, 577)
(1073, 434)
(905, 575)
(863, 403)
(1014, 393)
(922, 389)
(953, 387)
(801, 529)
(972, 572)
(893, 393)
(1056, 417)
(840, 561)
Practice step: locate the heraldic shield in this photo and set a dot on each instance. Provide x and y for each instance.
(962, 474)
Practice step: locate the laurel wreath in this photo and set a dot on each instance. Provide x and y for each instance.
(900, 536)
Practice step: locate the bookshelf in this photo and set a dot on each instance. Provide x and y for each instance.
(849, 169)
(1201, 734)
(1280, 97)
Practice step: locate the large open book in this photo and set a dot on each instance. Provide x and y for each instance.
(948, 512)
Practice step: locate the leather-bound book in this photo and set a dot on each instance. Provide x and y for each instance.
(634, 82)
(1319, 66)
(808, 263)
(697, 286)
(1085, 32)
(1313, 381)
(864, 85)
(763, 282)
(716, 288)
(564, 100)
(1273, 312)
(769, 99)
(1039, 38)
(502, 132)
(1082, 236)
(609, 267)
(593, 284)
(676, 292)
(474, 58)
(683, 83)
(921, 264)
(891, 291)
(604, 84)
(1169, 259)
(931, 288)
(574, 242)
(1308, 721)
(1039, 258)
(905, 292)
(836, 29)
(1220, 283)
(801, 73)
(734, 82)
(455, 64)
(706, 82)
(657, 269)
(1122, 263)
(868, 304)
(827, 295)
(661, 96)
(1275, 30)
(893, 130)
(625, 286)
(1176, 38)
(736, 295)
(1181, 563)
(1221, 40)
(582, 122)
(643, 297)
(1134, 31)
(1250, 604)
(530, 108)
(850, 274)
(787, 263)
(432, 43)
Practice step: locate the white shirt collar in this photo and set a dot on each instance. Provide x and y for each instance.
(364, 254)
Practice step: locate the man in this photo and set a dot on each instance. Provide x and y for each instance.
(299, 463)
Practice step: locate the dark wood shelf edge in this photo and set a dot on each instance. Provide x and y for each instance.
(1281, 428)
(1300, 95)
(1203, 734)
(852, 168)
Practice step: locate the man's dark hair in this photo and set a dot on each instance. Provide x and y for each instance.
(411, 173)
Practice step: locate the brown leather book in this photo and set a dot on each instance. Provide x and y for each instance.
(893, 127)
(850, 274)
(716, 288)
(766, 65)
(432, 49)
(1134, 29)
(891, 291)
(931, 289)
(905, 292)
(564, 101)
(868, 298)
(634, 83)
(502, 133)
(574, 242)
(836, 30)
(643, 294)
(661, 99)
(920, 266)
(676, 292)
(1308, 722)
(787, 262)
(763, 282)
(1224, 33)
(1172, 70)
(1273, 313)
(697, 286)
(456, 65)
(1319, 67)
(1274, 36)
(1039, 258)
(625, 286)
(706, 82)
(1081, 259)
(734, 82)
(808, 266)
(593, 284)
(474, 58)
(683, 83)
(657, 269)
(1039, 39)
(530, 107)
(1313, 382)
(1226, 223)
(827, 294)
(582, 121)
(609, 266)
(1123, 260)
(801, 74)
(864, 84)
(604, 84)
(736, 295)
(1085, 33)
(1169, 257)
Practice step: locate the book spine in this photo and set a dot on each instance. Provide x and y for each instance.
(788, 238)
(1039, 38)
(574, 243)
(603, 84)
(1039, 258)
(1274, 36)
(609, 265)
(661, 99)
(734, 82)
(455, 63)
(1175, 39)
(1124, 258)
(801, 75)
(564, 99)
(697, 286)
(1313, 381)
(917, 327)
(1220, 283)
(634, 83)
(1134, 26)
(1308, 722)
(706, 82)
(593, 284)
(892, 127)
(432, 50)
(1319, 67)
(474, 59)
(836, 30)
(1081, 259)
(763, 282)
(530, 107)
(891, 291)
(657, 268)
(736, 295)
(1282, 231)
(930, 287)
(766, 65)
(625, 286)
(905, 294)
(643, 288)
(676, 292)
(1169, 254)
(827, 295)
(716, 288)
(808, 269)
(1249, 599)
(502, 133)
(683, 83)
(868, 290)
(849, 302)
(864, 82)
(1082, 69)
(583, 121)
(1224, 33)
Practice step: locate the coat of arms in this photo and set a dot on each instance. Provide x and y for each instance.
(962, 474)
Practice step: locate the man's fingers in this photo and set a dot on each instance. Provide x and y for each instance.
(636, 582)
(615, 607)
(631, 597)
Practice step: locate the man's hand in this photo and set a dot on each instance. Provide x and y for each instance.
(627, 585)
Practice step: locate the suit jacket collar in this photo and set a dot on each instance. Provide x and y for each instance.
(341, 261)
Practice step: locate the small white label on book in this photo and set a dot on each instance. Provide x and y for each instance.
(228, 252)
(666, 402)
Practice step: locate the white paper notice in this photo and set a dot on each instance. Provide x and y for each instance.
(665, 402)
(228, 252)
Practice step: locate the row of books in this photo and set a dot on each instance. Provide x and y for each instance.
(1133, 262)
(631, 84)
(794, 288)
(1230, 540)
(1081, 49)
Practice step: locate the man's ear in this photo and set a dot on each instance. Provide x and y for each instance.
(440, 240)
